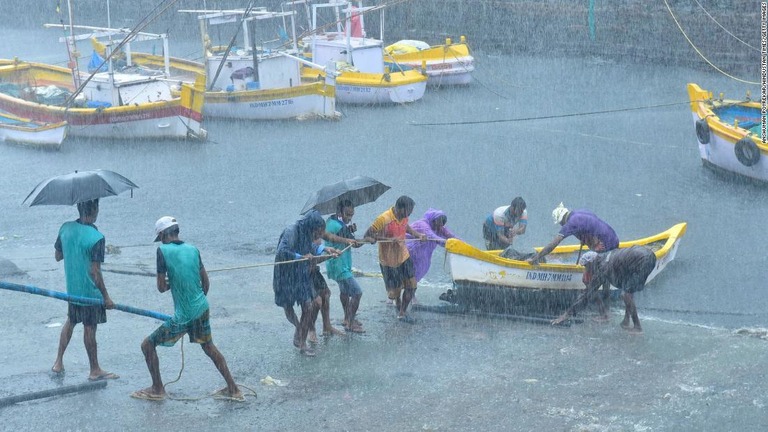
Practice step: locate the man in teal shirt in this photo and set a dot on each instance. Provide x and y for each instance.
(81, 246)
(340, 234)
(188, 283)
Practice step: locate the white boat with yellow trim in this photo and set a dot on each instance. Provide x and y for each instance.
(111, 106)
(363, 77)
(255, 82)
(31, 133)
(730, 133)
(445, 65)
(484, 278)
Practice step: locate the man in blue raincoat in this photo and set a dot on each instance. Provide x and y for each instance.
(298, 254)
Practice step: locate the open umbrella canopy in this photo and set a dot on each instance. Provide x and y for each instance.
(360, 190)
(77, 187)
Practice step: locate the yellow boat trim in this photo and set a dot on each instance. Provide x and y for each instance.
(458, 247)
(702, 104)
(318, 88)
(386, 80)
(436, 53)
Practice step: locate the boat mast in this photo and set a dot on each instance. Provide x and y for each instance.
(72, 48)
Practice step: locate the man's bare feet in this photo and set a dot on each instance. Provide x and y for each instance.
(308, 351)
(625, 325)
(355, 329)
(57, 368)
(330, 331)
(312, 337)
(227, 394)
(149, 394)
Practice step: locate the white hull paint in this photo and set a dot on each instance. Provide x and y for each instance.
(363, 95)
(273, 109)
(158, 128)
(720, 152)
(49, 138)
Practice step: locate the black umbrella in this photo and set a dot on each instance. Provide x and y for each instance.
(77, 187)
(360, 190)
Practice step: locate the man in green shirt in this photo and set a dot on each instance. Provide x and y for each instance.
(81, 246)
(188, 283)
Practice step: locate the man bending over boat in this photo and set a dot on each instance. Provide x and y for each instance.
(626, 269)
(504, 224)
(389, 229)
(591, 231)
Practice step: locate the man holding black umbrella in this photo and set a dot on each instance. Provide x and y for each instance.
(82, 247)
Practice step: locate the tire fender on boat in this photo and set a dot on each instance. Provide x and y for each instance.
(747, 152)
(702, 131)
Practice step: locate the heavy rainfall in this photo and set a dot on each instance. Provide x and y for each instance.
(577, 102)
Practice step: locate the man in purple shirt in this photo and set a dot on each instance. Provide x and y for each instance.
(591, 231)
(585, 226)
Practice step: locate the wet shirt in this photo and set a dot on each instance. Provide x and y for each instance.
(341, 267)
(182, 263)
(621, 267)
(81, 244)
(500, 220)
(391, 254)
(590, 230)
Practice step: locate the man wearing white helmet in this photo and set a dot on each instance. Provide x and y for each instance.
(585, 226)
(626, 269)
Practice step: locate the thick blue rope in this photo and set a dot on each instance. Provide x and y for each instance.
(64, 296)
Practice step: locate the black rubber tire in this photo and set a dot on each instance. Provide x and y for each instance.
(702, 131)
(747, 152)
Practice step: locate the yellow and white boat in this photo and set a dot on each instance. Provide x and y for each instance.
(363, 77)
(31, 133)
(113, 106)
(445, 65)
(484, 278)
(729, 134)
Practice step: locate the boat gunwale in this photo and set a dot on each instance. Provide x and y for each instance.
(702, 104)
(458, 247)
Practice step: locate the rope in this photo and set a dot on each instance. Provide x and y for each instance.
(726, 30)
(195, 399)
(700, 53)
(520, 119)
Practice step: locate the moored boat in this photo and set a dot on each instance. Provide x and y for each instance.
(445, 65)
(486, 280)
(729, 133)
(257, 82)
(31, 133)
(129, 109)
(363, 77)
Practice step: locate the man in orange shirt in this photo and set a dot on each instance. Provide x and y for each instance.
(389, 231)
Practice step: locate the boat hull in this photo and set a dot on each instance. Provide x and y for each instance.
(359, 88)
(300, 102)
(446, 65)
(178, 118)
(485, 280)
(720, 152)
(23, 132)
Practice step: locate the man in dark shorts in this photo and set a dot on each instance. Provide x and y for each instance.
(298, 252)
(81, 246)
(389, 230)
(627, 269)
(188, 282)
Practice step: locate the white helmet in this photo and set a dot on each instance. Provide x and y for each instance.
(559, 213)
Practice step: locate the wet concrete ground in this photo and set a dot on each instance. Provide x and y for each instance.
(442, 373)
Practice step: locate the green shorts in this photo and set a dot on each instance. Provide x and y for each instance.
(199, 331)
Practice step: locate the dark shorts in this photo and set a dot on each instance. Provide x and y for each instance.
(636, 281)
(319, 284)
(396, 278)
(199, 331)
(350, 287)
(89, 315)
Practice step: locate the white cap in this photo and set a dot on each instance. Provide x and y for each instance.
(559, 213)
(587, 258)
(163, 224)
